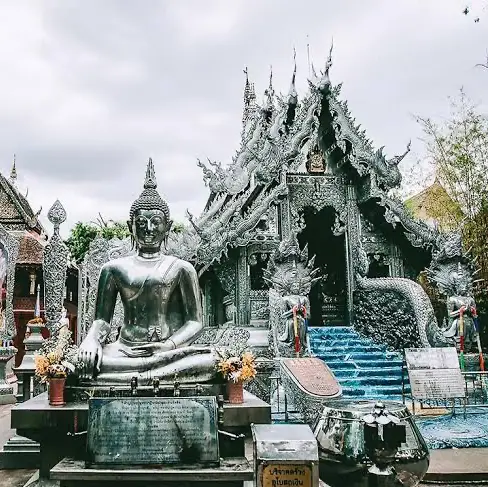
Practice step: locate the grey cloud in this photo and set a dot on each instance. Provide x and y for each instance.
(126, 80)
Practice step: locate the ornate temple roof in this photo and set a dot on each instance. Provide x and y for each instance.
(18, 218)
(434, 206)
(15, 211)
(279, 137)
(31, 247)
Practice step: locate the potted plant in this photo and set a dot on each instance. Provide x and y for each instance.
(54, 361)
(236, 368)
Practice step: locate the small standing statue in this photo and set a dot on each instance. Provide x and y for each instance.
(461, 309)
(291, 279)
(452, 271)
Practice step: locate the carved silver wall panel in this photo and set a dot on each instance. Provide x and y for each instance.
(100, 252)
(9, 246)
(242, 288)
(259, 305)
(54, 265)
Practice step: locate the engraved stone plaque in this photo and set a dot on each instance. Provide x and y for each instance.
(434, 373)
(152, 431)
(286, 474)
(313, 376)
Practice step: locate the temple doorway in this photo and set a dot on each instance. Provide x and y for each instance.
(328, 297)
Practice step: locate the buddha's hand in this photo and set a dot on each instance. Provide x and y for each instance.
(149, 349)
(90, 355)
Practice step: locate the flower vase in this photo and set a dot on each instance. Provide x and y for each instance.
(56, 391)
(235, 391)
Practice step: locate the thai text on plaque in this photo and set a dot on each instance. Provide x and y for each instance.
(434, 373)
(313, 375)
(152, 431)
(275, 475)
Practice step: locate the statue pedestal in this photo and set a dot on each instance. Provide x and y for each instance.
(60, 433)
(20, 452)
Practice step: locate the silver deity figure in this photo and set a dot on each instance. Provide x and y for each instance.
(461, 311)
(162, 309)
(291, 279)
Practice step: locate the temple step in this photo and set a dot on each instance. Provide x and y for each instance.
(363, 368)
(371, 381)
(352, 355)
(372, 372)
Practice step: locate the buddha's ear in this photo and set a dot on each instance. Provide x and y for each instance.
(168, 226)
(129, 226)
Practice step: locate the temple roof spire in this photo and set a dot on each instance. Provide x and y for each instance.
(13, 173)
(292, 93)
(249, 99)
(324, 82)
(268, 104)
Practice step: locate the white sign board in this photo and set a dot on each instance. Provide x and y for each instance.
(434, 373)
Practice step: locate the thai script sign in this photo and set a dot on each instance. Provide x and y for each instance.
(289, 475)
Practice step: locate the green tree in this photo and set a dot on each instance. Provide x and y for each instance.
(83, 234)
(458, 151)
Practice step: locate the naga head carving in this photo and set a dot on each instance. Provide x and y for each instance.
(289, 270)
(388, 175)
(452, 270)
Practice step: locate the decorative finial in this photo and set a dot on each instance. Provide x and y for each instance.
(249, 99)
(292, 94)
(150, 181)
(149, 199)
(37, 309)
(397, 159)
(13, 172)
(308, 59)
(56, 215)
(328, 64)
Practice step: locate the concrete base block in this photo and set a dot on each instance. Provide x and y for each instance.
(7, 399)
(20, 452)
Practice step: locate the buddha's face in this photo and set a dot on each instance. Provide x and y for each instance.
(150, 229)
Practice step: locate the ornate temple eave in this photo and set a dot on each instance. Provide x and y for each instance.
(416, 231)
(27, 215)
(241, 229)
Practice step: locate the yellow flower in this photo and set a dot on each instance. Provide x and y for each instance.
(54, 357)
(238, 368)
(42, 365)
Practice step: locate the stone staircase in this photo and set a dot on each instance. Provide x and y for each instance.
(364, 369)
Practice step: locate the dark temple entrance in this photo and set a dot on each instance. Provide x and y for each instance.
(328, 297)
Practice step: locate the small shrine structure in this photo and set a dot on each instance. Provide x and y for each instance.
(18, 220)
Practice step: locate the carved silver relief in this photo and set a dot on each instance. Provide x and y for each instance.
(101, 251)
(55, 262)
(10, 249)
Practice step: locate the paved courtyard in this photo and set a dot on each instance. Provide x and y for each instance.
(447, 465)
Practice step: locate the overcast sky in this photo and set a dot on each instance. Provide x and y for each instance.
(90, 89)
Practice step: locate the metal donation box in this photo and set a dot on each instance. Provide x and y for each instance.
(285, 454)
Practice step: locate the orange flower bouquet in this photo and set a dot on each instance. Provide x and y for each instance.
(237, 367)
(57, 357)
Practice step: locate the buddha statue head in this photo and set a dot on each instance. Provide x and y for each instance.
(149, 219)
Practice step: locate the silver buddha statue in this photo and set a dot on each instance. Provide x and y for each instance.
(162, 309)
